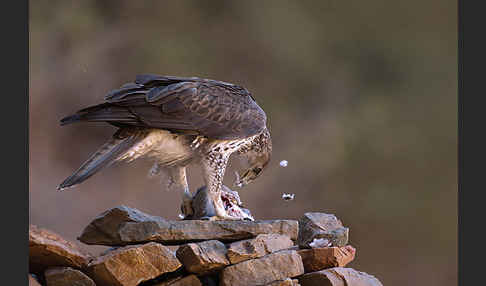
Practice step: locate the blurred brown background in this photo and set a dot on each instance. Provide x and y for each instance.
(361, 98)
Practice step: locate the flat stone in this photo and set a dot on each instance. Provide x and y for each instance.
(131, 265)
(321, 230)
(124, 226)
(67, 276)
(33, 281)
(284, 282)
(104, 229)
(338, 276)
(259, 246)
(316, 259)
(190, 280)
(48, 249)
(263, 270)
(203, 257)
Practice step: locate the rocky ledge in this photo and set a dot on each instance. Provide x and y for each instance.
(311, 251)
(125, 226)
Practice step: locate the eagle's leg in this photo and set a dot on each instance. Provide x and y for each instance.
(214, 167)
(178, 179)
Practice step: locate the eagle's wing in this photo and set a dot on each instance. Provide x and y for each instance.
(210, 108)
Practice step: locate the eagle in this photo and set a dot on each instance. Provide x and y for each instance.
(177, 121)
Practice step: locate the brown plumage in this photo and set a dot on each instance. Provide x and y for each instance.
(177, 121)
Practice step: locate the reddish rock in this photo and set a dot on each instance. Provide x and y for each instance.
(245, 249)
(321, 230)
(263, 270)
(284, 282)
(190, 280)
(338, 276)
(131, 265)
(257, 247)
(210, 280)
(316, 259)
(67, 276)
(124, 226)
(48, 249)
(203, 257)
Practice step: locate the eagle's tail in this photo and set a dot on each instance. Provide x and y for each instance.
(103, 157)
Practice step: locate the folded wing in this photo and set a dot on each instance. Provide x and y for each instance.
(188, 105)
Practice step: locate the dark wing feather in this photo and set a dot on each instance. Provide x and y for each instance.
(210, 108)
(153, 79)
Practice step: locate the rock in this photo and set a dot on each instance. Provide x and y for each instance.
(284, 282)
(319, 228)
(316, 259)
(257, 247)
(263, 270)
(67, 276)
(295, 247)
(210, 280)
(131, 265)
(124, 226)
(33, 281)
(275, 242)
(338, 276)
(203, 257)
(190, 280)
(48, 249)
(247, 249)
(104, 229)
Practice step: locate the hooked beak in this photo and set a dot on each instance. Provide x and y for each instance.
(258, 159)
(247, 176)
(257, 164)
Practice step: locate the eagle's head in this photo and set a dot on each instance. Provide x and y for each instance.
(258, 157)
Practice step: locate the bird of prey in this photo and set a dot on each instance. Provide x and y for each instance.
(175, 121)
